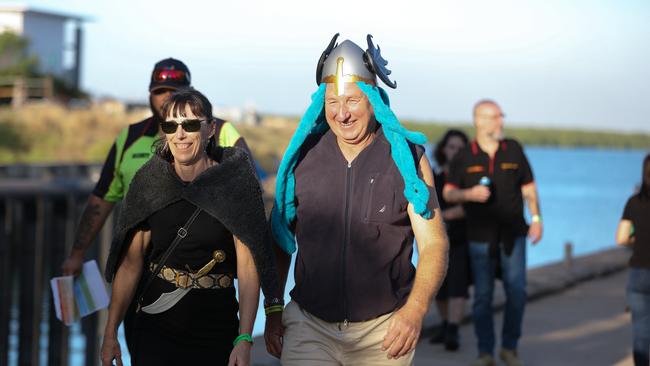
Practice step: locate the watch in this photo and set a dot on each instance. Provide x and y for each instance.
(273, 301)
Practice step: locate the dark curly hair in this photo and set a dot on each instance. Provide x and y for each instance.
(175, 106)
(438, 153)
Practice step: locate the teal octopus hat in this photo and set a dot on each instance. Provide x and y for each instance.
(339, 64)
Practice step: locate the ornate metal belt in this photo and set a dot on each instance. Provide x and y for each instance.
(184, 279)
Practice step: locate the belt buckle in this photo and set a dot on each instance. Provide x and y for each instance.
(185, 283)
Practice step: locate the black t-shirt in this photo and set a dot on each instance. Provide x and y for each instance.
(206, 235)
(502, 216)
(204, 317)
(455, 228)
(637, 210)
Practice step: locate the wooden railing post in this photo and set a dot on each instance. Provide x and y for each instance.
(89, 324)
(568, 256)
(38, 219)
(31, 282)
(64, 212)
(19, 93)
(48, 87)
(7, 261)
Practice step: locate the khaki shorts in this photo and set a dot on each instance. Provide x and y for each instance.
(311, 341)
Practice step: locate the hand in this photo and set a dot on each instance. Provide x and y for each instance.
(403, 332)
(273, 332)
(535, 232)
(111, 351)
(73, 264)
(241, 354)
(478, 193)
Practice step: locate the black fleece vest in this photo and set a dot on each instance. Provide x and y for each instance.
(354, 235)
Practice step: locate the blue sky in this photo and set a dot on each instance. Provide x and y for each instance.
(579, 63)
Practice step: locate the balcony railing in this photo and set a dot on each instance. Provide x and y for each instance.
(39, 212)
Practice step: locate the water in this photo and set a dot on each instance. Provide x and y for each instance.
(582, 195)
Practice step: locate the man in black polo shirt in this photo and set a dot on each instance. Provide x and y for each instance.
(491, 177)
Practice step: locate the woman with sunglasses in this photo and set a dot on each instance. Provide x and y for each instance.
(205, 203)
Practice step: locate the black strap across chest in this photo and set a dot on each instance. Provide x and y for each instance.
(180, 235)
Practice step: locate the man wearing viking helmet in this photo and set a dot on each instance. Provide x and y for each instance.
(353, 190)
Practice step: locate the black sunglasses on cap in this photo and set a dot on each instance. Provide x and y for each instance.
(166, 75)
(189, 125)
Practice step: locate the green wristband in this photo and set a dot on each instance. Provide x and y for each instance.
(273, 309)
(243, 337)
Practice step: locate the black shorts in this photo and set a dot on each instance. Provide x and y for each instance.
(457, 281)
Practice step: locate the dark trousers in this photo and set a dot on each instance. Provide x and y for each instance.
(638, 297)
(513, 271)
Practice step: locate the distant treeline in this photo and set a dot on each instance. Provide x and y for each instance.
(547, 136)
(52, 133)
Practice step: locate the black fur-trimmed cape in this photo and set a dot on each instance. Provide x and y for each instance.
(227, 191)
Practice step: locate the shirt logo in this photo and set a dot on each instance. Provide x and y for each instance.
(509, 166)
(475, 169)
(382, 209)
(140, 155)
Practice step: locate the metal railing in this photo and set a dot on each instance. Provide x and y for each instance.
(38, 217)
(20, 89)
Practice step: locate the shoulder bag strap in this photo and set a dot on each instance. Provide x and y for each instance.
(180, 235)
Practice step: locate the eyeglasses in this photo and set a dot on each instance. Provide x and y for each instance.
(176, 76)
(189, 125)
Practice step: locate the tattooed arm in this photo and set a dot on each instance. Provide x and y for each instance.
(92, 220)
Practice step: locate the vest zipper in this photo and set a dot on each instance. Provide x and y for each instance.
(346, 238)
(370, 196)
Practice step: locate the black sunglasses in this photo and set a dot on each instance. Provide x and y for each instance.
(189, 125)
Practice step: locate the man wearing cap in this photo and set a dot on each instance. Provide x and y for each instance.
(491, 177)
(353, 190)
(133, 148)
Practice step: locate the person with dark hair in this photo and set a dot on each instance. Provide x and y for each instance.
(352, 192)
(492, 178)
(634, 230)
(192, 221)
(131, 149)
(453, 293)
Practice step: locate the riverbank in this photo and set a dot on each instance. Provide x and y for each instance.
(553, 281)
(555, 137)
(36, 134)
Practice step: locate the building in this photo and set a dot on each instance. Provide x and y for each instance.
(55, 38)
(239, 115)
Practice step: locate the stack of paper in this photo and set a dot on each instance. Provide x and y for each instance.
(76, 297)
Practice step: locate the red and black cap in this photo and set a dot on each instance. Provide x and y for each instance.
(170, 73)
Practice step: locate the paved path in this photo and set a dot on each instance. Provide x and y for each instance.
(584, 325)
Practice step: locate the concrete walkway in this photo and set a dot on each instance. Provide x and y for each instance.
(584, 325)
(575, 315)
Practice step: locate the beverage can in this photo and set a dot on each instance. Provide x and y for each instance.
(485, 181)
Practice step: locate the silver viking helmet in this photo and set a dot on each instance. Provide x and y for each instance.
(347, 62)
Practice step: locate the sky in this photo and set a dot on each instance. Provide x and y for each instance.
(549, 63)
